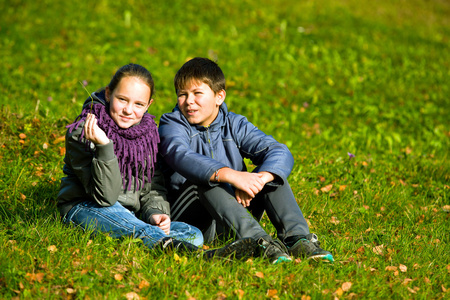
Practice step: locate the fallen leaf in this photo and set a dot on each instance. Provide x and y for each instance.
(334, 221)
(346, 286)
(306, 297)
(327, 188)
(391, 268)
(406, 281)
(271, 292)
(342, 188)
(118, 277)
(240, 293)
(44, 146)
(23, 197)
(59, 139)
(259, 274)
(403, 268)
(378, 249)
(132, 296)
(143, 284)
(444, 289)
(446, 208)
(339, 292)
(52, 248)
(22, 136)
(70, 291)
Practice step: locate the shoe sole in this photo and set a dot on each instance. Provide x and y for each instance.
(282, 259)
(323, 258)
(238, 249)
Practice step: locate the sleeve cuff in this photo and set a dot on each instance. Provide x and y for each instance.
(105, 152)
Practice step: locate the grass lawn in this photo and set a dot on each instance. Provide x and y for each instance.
(359, 91)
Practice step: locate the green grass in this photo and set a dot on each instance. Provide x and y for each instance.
(324, 77)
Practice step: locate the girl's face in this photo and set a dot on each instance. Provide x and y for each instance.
(128, 101)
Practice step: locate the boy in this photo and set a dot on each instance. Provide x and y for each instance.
(203, 146)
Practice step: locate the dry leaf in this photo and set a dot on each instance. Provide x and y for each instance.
(306, 297)
(391, 268)
(334, 221)
(52, 248)
(271, 292)
(44, 146)
(240, 293)
(23, 197)
(70, 291)
(339, 292)
(378, 249)
(342, 188)
(22, 136)
(132, 296)
(259, 274)
(143, 284)
(403, 268)
(406, 281)
(118, 277)
(444, 289)
(327, 188)
(59, 139)
(346, 286)
(446, 208)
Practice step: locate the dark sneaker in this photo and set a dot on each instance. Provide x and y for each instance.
(170, 244)
(274, 250)
(309, 248)
(238, 249)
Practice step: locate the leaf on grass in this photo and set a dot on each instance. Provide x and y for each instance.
(326, 188)
(406, 281)
(378, 249)
(35, 277)
(342, 188)
(391, 268)
(259, 274)
(118, 277)
(334, 221)
(52, 248)
(306, 297)
(23, 197)
(22, 136)
(346, 286)
(446, 208)
(444, 289)
(59, 140)
(70, 291)
(403, 268)
(143, 284)
(427, 280)
(132, 296)
(62, 151)
(272, 292)
(240, 293)
(339, 292)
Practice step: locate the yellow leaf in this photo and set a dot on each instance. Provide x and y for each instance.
(118, 277)
(240, 293)
(271, 292)
(327, 188)
(132, 296)
(346, 286)
(59, 139)
(143, 284)
(342, 188)
(339, 292)
(52, 248)
(259, 274)
(403, 268)
(378, 249)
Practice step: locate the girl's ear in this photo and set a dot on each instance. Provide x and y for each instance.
(107, 93)
(220, 97)
(149, 103)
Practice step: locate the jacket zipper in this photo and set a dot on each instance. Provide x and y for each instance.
(209, 142)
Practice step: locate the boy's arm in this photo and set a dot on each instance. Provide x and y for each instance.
(263, 150)
(175, 149)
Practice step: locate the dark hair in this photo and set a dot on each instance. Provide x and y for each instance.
(203, 70)
(133, 70)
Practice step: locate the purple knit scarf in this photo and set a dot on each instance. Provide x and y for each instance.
(135, 147)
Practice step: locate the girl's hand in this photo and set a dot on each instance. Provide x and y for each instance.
(94, 133)
(243, 198)
(162, 221)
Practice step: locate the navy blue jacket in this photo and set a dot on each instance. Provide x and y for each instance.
(195, 152)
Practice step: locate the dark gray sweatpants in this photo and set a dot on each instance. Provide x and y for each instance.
(214, 210)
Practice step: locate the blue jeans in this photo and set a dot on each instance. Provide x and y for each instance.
(120, 222)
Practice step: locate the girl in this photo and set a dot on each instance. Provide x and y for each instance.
(113, 183)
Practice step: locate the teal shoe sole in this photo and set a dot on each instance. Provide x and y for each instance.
(282, 259)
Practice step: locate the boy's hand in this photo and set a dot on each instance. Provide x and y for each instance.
(94, 133)
(243, 198)
(162, 221)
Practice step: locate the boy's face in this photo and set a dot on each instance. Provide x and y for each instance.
(199, 104)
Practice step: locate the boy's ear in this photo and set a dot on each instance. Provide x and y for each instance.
(220, 97)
